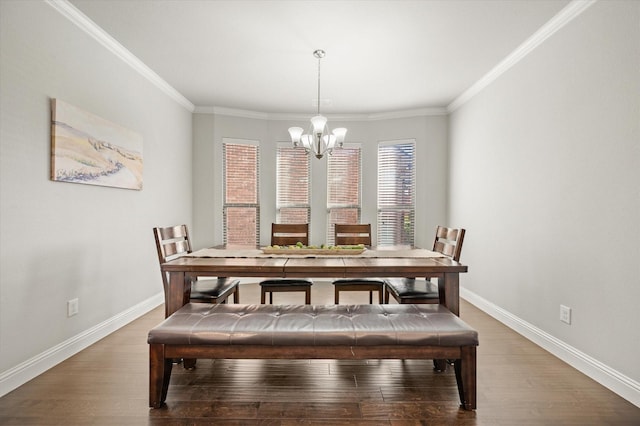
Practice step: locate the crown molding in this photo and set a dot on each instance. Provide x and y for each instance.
(562, 18)
(241, 113)
(420, 112)
(231, 112)
(74, 15)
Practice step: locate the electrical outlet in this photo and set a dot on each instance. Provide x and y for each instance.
(72, 307)
(565, 314)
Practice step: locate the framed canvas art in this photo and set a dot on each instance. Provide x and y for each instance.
(91, 150)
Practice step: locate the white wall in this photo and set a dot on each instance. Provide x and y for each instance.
(545, 175)
(61, 241)
(430, 133)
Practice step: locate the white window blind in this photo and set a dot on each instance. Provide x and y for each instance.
(396, 192)
(344, 173)
(293, 185)
(241, 210)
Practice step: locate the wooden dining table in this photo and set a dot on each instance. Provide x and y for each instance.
(387, 262)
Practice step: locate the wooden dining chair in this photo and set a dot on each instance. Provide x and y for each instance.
(356, 234)
(448, 241)
(173, 242)
(287, 234)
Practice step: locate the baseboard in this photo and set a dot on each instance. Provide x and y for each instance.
(27, 370)
(622, 385)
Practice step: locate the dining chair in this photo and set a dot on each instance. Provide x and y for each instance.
(448, 241)
(356, 234)
(173, 242)
(286, 234)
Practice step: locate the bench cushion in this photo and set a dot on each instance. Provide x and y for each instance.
(317, 325)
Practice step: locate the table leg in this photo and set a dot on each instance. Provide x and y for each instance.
(449, 291)
(178, 293)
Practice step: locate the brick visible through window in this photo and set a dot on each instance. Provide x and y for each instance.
(293, 185)
(241, 211)
(343, 188)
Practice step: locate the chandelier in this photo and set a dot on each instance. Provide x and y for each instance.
(319, 140)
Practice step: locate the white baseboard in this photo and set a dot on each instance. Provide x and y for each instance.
(617, 382)
(27, 370)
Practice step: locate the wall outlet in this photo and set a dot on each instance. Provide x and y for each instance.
(565, 314)
(72, 307)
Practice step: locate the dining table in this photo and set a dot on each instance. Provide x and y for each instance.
(242, 262)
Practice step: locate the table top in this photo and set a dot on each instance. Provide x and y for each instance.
(322, 266)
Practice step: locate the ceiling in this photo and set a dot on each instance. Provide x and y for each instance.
(381, 56)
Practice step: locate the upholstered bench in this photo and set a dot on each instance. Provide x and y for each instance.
(312, 332)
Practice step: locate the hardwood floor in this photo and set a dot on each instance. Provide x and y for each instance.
(518, 384)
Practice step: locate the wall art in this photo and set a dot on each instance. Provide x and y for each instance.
(91, 150)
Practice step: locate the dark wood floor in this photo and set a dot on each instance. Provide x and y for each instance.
(518, 384)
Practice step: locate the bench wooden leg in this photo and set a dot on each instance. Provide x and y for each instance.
(466, 377)
(159, 375)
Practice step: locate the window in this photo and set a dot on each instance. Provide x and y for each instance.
(241, 210)
(293, 185)
(343, 187)
(396, 192)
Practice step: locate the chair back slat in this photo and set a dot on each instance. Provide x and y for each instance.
(449, 241)
(352, 234)
(171, 243)
(174, 249)
(173, 232)
(286, 234)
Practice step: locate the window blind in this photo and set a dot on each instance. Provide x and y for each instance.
(241, 209)
(344, 174)
(396, 193)
(293, 185)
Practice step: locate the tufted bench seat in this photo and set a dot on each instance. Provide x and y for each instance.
(312, 331)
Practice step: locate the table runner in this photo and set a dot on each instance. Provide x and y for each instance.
(253, 253)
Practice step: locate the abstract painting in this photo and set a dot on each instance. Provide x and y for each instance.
(91, 150)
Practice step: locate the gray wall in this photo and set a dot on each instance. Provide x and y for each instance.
(61, 240)
(430, 133)
(545, 175)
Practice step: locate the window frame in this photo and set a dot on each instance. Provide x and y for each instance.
(398, 236)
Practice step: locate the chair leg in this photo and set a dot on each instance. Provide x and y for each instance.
(236, 294)
(380, 296)
(307, 296)
(262, 295)
(371, 297)
(189, 363)
(336, 296)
